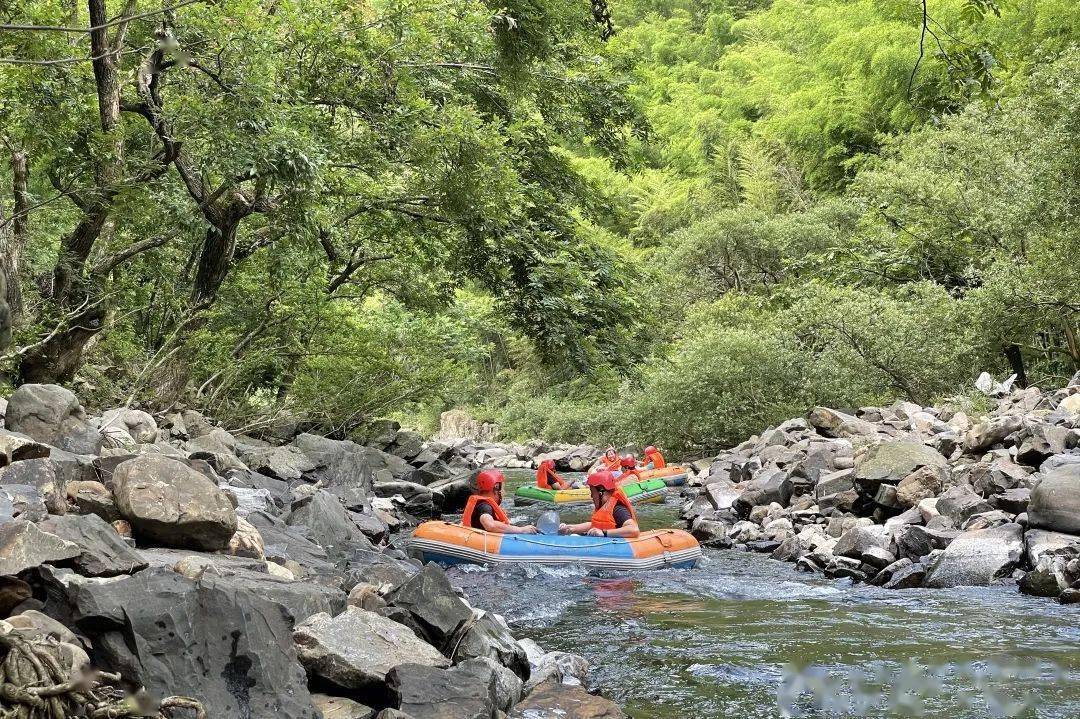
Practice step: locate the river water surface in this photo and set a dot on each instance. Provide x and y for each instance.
(712, 642)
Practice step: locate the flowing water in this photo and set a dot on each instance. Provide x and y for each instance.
(713, 641)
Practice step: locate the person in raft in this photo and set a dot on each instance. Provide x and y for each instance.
(611, 460)
(548, 478)
(628, 464)
(484, 510)
(653, 458)
(614, 516)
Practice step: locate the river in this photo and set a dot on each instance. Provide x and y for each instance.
(712, 642)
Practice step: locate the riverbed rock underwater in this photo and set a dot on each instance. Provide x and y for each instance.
(166, 565)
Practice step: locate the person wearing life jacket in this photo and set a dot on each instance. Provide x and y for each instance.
(614, 516)
(484, 510)
(610, 461)
(653, 458)
(628, 466)
(548, 478)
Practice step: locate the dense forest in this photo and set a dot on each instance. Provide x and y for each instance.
(672, 220)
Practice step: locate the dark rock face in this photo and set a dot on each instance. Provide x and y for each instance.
(52, 414)
(914, 541)
(774, 486)
(209, 638)
(327, 523)
(489, 638)
(102, 553)
(961, 502)
(428, 604)
(169, 502)
(467, 691)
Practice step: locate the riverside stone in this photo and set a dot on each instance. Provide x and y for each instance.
(833, 423)
(1055, 501)
(52, 415)
(356, 649)
(960, 502)
(466, 691)
(340, 707)
(167, 501)
(23, 545)
(552, 699)
(102, 553)
(977, 558)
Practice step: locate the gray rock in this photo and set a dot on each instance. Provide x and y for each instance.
(887, 572)
(52, 415)
(833, 423)
(42, 475)
(839, 481)
(991, 432)
(921, 484)
(21, 501)
(15, 447)
(1013, 501)
(1038, 542)
(1055, 501)
(489, 638)
(168, 502)
(340, 707)
(466, 691)
(427, 603)
(977, 558)
(909, 577)
(997, 476)
(136, 424)
(284, 463)
(771, 486)
(356, 649)
(328, 524)
(858, 540)
(877, 557)
(960, 502)
(211, 639)
(565, 701)
(23, 545)
(102, 553)
(890, 462)
(914, 541)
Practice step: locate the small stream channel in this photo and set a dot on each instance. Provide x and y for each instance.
(712, 642)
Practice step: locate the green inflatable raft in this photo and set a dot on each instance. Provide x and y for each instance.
(649, 490)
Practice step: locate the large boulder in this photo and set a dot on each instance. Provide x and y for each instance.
(991, 432)
(1055, 501)
(52, 414)
(357, 648)
(225, 644)
(15, 447)
(23, 545)
(427, 603)
(771, 486)
(858, 541)
(168, 502)
(890, 462)
(466, 691)
(961, 502)
(915, 541)
(833, 423)
(102, 553)
(139, 426)
(565, 701)
(924, 483)
(978, 558)
(1038, 542)
(284, 463)
(40, 473)
(489, 637)
(328, 524)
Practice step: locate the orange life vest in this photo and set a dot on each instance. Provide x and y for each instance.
(547, 479)
(470, 508)
(604, 518)
(656, 458)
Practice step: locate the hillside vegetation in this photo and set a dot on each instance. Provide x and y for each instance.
(720, 215)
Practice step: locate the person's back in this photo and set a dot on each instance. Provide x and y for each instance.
(548, 478)
(653, 458)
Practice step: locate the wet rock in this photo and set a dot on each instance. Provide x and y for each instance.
(887, 572)
(102, 553)
(772, 486)
(52, 415)
(977, 558)
(356, 649)
(23, 545)
(960, 502)
(832, 423)
(340, 708)
(490, 638)
(209, 638)
(428, 603)
(466, 691)
(858, 540)
(566, 702)
(906, 577)
(168, 502)
(1055, 501)
(560, 667)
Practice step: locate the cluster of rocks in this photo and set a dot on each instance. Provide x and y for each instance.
(257, 574)
(908, 496)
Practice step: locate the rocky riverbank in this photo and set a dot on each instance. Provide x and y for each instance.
(908, 496)
(254, 574)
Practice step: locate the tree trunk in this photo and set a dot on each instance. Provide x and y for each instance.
(217, 256)
(1016, 361)
(13, 243)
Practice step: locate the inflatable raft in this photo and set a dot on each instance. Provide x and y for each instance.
(649, 490)
(672, 476)
(447, 543)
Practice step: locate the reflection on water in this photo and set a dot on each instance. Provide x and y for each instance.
(712, 642)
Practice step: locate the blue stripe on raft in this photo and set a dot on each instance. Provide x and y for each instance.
(519, 545)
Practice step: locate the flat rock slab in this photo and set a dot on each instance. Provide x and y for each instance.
(23, 545)
(466, 691)
(977, 558)
(565, 701)
(102, 553)
(357, 648)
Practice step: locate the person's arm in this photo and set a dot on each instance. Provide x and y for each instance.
(575, 528)
(560, 482)
(629, 530)
(490, 524)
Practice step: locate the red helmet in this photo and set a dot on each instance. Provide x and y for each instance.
(628, 462)
(489, 479)
(650, 449)
(605, 480)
